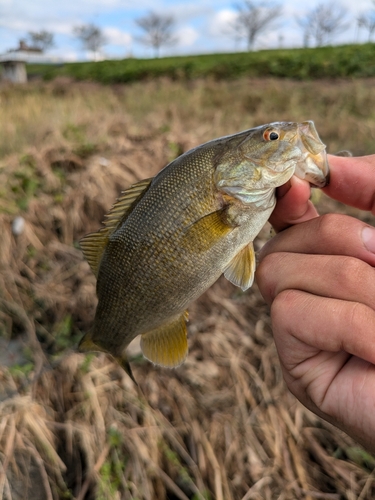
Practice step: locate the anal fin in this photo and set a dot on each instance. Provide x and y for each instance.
(167, 345)
(241, 269)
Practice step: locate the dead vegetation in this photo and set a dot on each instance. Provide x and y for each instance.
(222, 426)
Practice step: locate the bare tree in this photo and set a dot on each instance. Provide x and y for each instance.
(91, 37)
(367, 21)
(41, 40)
(253, 18)
(158, 30)
(322, 23)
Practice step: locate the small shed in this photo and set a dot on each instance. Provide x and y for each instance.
(13, 62)
(13, 67)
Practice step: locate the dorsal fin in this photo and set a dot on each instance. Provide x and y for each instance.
(94, 244)
(125, 204)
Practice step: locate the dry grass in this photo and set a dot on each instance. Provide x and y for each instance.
(223, 425)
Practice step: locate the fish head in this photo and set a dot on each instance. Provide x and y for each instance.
(257, 161)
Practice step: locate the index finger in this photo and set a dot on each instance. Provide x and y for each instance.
(293, 205)
(352, 181)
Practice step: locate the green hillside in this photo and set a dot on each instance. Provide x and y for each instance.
(323, 62)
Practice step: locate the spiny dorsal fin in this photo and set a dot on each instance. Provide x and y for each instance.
(241, 269)
(124, 204)
(167, 345)
(94, 244)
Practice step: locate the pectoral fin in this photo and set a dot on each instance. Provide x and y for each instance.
(167, 345)
(205, 232)
(241, 269)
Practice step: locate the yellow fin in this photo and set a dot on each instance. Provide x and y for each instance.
(167, 345)
(94, 244)
(241, 269)
(205, 232)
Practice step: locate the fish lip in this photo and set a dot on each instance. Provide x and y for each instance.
(321, 183)
(314, 165)
(309, 137)
(314, 169)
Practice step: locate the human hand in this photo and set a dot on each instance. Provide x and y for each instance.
(351, 182)
(319, 278)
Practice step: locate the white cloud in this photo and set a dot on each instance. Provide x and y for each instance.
(117, 37)
(220, 22)
(187, 36)
(67, 55)
(46, 8)
(186, 11)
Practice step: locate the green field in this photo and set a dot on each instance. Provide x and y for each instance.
(324, 62)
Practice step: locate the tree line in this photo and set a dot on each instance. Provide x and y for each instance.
(253, 18)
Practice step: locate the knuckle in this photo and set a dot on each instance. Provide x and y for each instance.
(282, 308)
(264, 269)
(267, 275)
(328, 225)
(350, 270)
(358, 314)
(266, 265)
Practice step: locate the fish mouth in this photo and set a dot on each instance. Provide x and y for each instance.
(313, 166)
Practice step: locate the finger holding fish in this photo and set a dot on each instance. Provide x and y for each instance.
(342, 277)
(323, 235)
(293, 198)
(318, 278)
(293, 204)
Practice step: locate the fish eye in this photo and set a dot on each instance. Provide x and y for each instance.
(271, 135)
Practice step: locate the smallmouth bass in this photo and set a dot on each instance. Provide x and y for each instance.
(169, 238)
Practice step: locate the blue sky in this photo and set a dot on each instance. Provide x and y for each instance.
(200, 24)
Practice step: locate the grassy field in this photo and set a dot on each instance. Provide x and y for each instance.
(301, 64)
(222, 426)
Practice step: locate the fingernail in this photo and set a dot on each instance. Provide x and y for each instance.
(368, 238)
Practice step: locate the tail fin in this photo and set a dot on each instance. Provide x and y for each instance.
(87, 344)
(125, 365)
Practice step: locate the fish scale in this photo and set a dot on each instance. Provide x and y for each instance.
(167, 239)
